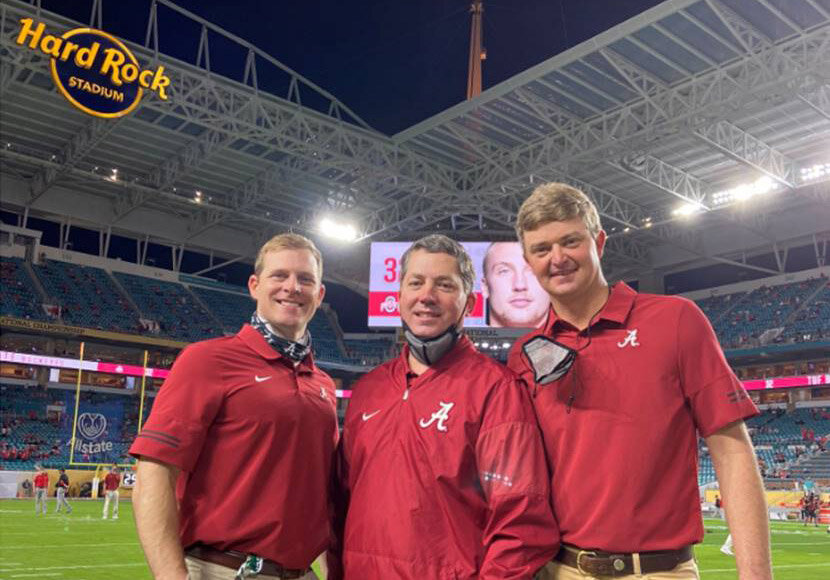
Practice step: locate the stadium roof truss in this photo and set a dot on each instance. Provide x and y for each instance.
(656, 119)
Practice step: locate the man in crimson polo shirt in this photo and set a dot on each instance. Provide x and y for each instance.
(623, 383)
(443, 462)
(244, 429)
(41, 482)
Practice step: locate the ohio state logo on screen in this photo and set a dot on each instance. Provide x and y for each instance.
(389, 305)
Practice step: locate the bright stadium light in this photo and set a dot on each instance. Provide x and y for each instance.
(686, 210)
(745, 191)
(339, 231)
(815, 172)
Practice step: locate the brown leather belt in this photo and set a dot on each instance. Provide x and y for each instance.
(598, 563)
(232, 559)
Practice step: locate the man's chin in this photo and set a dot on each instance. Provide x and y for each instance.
(426, 332)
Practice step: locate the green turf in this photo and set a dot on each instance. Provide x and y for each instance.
(798, 552)
(82, 546)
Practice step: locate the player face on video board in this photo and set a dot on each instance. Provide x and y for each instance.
(514, 297)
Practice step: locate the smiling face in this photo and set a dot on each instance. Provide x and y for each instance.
(288, 291)
(514, 297)
(432, 296)
(565, 258)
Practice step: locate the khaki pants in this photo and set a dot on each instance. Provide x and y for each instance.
(559, 571)
(40, 500)
(111, 496)
(201, 570)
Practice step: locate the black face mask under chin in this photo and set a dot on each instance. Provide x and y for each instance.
(430, 350)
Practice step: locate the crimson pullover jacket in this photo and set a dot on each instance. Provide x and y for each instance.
(444, 475)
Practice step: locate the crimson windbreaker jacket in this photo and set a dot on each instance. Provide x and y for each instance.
(444, 475)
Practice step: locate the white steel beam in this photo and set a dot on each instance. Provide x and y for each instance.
(742, 147)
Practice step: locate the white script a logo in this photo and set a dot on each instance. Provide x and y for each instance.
(441, 415)
(630, 340)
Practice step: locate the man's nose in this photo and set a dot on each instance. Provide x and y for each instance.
(520, 280)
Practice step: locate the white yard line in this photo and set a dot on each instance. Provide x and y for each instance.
(82, 567)
(87, 545)
(781, 567)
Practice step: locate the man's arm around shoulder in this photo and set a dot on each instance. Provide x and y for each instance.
(157, 518)
(744, 500)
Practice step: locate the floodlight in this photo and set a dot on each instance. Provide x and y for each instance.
(815, 172)
(686, 210)
(339, 231)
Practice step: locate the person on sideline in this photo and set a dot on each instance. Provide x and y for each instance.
(111, 484)
(235, 459)
(41, 482)
(624, 383)
(61, 487)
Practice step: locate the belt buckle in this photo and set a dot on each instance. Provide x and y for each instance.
(579, 561)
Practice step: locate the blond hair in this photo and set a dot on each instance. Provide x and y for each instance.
(288, 242)
(556, 202)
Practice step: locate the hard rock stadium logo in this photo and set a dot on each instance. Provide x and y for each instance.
(95, 71)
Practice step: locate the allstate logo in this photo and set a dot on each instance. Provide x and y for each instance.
(92, 425)
(389, 305)
(95, 71)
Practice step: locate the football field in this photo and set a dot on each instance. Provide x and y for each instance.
(82, 546)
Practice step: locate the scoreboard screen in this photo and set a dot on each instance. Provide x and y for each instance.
(507, 294)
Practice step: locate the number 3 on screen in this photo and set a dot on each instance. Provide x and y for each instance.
(391, 265)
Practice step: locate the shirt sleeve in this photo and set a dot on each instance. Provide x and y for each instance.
(183, 411)
(716, 396)
(521, 533)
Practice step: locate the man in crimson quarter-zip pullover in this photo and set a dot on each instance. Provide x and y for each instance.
(442, 465)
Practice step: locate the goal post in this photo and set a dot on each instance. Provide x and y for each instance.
(91, 444)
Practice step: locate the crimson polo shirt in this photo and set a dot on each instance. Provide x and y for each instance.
(649, 376)
(112, 481)
(254, 437)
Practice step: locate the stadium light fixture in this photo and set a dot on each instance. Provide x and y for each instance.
(745, 191)
(686, 210)
(338, 231)
(815, 172)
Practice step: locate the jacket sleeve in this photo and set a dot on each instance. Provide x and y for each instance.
(521, 533)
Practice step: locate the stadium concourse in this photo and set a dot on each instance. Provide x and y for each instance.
(131, 213)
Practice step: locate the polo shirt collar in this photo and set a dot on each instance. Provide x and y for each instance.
(616, 309)
(257, 343)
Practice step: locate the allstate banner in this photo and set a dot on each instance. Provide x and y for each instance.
(99, 425)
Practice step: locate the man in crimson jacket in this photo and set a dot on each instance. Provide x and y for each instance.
(442, 463)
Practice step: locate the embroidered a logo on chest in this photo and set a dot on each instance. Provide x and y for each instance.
(629, 340)
(438, 417)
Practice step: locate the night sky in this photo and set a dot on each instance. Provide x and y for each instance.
(394, 63)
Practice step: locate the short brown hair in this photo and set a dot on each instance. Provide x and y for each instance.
(441, 244)
(556, 202)
(288, 242)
